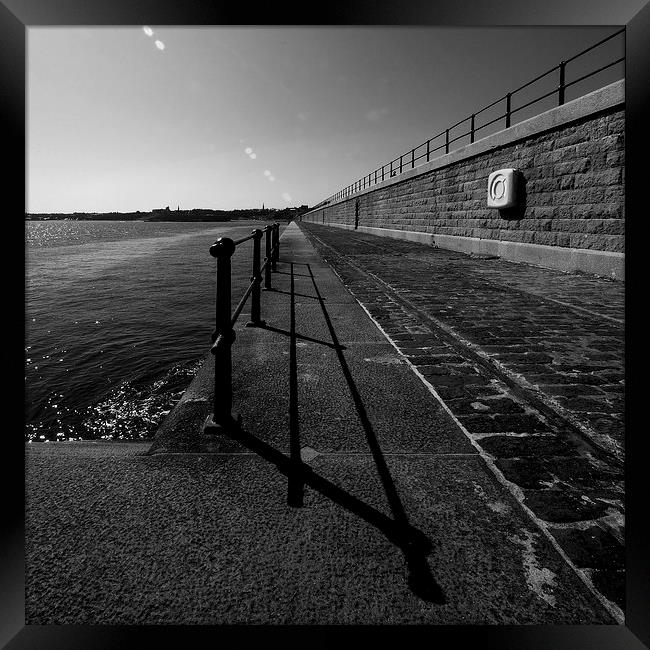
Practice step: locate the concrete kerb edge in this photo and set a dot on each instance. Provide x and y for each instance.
(180, 431)
(601, 263)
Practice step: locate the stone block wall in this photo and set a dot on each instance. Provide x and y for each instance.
(574, 173)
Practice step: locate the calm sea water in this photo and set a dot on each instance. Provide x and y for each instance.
(118, 317)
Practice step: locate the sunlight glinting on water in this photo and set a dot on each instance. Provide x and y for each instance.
(96, 259)
(117, 314)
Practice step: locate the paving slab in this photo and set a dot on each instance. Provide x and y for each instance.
(130, 538)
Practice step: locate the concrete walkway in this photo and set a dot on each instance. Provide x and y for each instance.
(530, 361)
(351, 495)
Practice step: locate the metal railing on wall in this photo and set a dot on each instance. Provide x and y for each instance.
(224, 336)
(424, 152)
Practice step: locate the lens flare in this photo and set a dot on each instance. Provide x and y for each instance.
(160, 45)
(147, 30)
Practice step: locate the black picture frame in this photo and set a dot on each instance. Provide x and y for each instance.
(16, 16)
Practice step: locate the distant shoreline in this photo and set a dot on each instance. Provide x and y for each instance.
(196, 215)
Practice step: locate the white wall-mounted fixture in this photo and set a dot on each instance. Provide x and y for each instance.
(504, 188)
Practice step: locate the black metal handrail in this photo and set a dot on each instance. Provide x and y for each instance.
(408, 159)
(224, 336)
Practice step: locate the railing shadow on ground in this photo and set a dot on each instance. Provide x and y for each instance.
(414, 544)
(302, 337)
(297, 275)
(301, 295)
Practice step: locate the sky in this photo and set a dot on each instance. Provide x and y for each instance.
(144, 117)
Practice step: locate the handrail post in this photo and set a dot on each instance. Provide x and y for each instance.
(267, 267)
(276, 246)
(447, 141)
(508, 95)
(224, 336)
(472, 128)
(256, 319)
(273, 238)
(561, 85)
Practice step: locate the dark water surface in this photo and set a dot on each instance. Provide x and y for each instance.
(118, 317)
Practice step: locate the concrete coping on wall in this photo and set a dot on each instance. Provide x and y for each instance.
(599, 100)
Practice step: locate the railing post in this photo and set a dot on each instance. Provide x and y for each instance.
(447, 141)
(256, 319)
(224, 337)
(400, 163)
(382, 172)
(267, 267)
(428, 149)
(412, 158)
(276, 246)
(508, 110)
(560, 93)
(472, 128)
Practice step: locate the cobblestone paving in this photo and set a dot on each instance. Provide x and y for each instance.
(530, 362)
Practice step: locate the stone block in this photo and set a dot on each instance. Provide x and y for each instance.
(563, 506)
(592, 547)
(525, 446)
